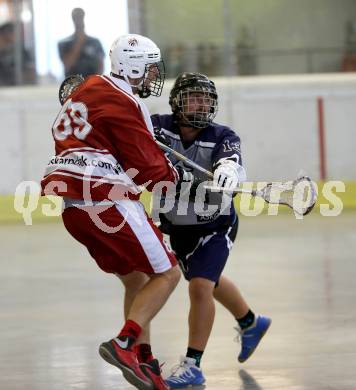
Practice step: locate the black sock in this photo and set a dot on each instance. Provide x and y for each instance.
(195, 354)
(246, 320)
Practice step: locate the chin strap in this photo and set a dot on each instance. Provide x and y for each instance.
(144, 93)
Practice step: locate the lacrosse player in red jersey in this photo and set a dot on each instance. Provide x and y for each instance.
(202, 241)
(105, 153)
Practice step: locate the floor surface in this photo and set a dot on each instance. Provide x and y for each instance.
(57, 307)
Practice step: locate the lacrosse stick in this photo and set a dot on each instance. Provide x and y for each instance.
(300, 194)
(68, 86)
(185, 159)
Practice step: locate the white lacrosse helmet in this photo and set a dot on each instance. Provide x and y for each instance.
(137, 57)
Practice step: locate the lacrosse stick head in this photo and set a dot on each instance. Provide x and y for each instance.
(300, 194)
(68, 86)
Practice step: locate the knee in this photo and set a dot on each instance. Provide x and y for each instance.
(133, 282)
(173, 276)
(201, 289)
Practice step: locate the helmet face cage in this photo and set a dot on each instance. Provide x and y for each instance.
(194, 99)
(205, 103)
(153, 80)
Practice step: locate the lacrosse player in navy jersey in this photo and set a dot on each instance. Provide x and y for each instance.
(202, 241)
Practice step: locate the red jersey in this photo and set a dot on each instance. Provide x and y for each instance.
(104, 145)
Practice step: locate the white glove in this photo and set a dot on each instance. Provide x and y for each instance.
(226, 176)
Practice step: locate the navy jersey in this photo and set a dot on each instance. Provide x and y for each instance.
(89, 59)
(214, 143)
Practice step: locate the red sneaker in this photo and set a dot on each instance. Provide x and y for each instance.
(152, 370)
(114, 352)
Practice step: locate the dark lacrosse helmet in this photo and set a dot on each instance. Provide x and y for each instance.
(194, 100)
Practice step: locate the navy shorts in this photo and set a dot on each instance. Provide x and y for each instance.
(203, 254)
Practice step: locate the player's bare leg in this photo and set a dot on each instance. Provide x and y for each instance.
(202, 312)
(133, 283)
(152, 297)
(201, 319)
(145, 305)
(250, 328)
(230, 297)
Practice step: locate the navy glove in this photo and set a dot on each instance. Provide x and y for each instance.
(161, 137)
(189, 178)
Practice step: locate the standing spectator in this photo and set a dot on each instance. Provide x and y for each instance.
(176, 59)
(8, 58)
(80, 53)
(349, 62)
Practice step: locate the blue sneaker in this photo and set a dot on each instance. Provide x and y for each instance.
(186, 373)
(251, 336)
